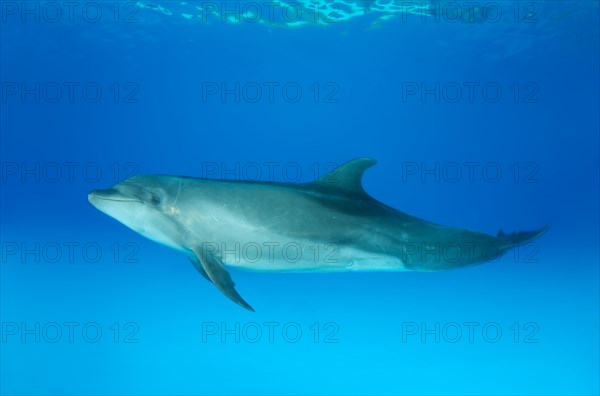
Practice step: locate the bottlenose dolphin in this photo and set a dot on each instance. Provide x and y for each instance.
(330, 224)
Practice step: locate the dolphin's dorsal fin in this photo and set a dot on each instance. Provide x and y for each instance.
(347, 177)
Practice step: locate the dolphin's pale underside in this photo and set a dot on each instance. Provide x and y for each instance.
(332, 222)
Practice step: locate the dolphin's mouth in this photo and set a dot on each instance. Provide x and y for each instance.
(110, 194)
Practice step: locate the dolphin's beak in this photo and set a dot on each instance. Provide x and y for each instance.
(102, 194)
(110, 194)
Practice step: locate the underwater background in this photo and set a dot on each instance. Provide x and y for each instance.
(480, 116)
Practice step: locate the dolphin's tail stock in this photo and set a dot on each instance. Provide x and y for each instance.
(508, 241)
(447, 252)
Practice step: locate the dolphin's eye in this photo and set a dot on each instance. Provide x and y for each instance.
(155, 200)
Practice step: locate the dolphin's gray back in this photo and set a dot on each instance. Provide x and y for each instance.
(299, 211)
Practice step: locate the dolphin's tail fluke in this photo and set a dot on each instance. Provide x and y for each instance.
(511, 240)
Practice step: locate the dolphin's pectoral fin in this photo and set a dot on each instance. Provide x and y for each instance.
(218, 274)
(198, 266)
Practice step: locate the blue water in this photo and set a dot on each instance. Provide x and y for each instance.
(90, 307)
